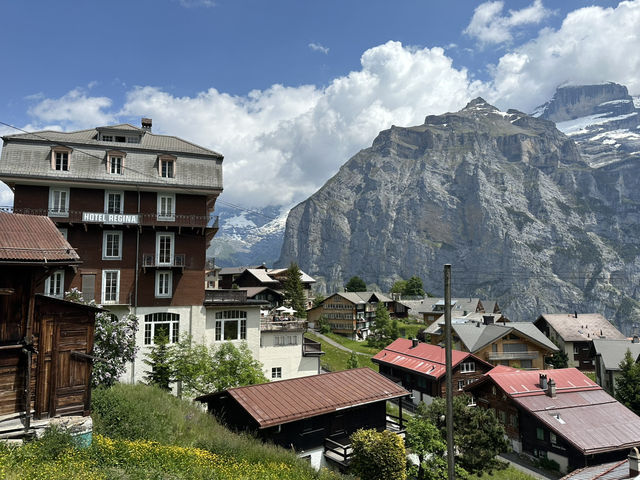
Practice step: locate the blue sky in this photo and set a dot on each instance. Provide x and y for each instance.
(289, 90)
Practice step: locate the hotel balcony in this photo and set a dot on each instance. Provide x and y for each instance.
(149, 260)
(294, 325)
(497, 356)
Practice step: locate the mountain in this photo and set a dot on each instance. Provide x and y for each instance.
(248, 237)
(527, 215)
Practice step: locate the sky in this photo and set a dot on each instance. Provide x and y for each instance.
(289, 90)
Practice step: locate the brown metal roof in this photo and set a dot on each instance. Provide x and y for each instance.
(286, 401)
(33, 239)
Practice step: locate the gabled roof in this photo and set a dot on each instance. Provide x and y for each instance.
(476, 337)
(33, 239)
(581, 412)
(366, 297)
(424, 358)
(304, 278)
(581, 328)
(261, 275)
(286, 401)
(235, 270)
(613, 351)
(618, 470)
(253, 291)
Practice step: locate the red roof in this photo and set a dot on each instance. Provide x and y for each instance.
(286, 401)
(32, 238)
(516, 382)
(424, 358)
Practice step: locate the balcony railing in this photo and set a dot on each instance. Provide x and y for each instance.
(230, 296)
(294, 325)
(338, 451)
(311, 348)
(129, 218)
(493, 356)
(149, 260)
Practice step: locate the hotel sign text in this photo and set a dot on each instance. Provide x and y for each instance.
(110, 218)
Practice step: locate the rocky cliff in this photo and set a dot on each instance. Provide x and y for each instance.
(522, 214)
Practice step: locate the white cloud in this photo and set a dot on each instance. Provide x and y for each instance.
(316, 47)
(197, 3)
(593, 44)
(74, 110)
(490, 26)
(6, 196)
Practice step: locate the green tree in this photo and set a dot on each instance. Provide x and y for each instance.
(559, 359)
(205, 369)
(478, 435)
(380, 335)
(378, 455)
(294, 292)
(414, 287)
(159, 361)
(399, 287)
(319, 298)
(355, 284)
(352, 362)
(628, 383)
(394, 330)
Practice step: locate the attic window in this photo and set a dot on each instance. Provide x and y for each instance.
(167, 166)
(115, 162)
(60, 157)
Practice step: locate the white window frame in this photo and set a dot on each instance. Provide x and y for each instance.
(276, 372)
(167, 159)
(105, 234)
(151, 320)
(468, 367)
(229, 316)
(159, 235)
(168, 292)
(58, 211)
(104, 287)
(62, 150)
(106, 200)
(110, 162)
(59, 291)
(162, 214)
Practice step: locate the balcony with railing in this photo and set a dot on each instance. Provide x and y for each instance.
(149, 260)
(311, 348)
(523, 355)
(268, 324)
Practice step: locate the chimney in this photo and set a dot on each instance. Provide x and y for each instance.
(551, 388)
(575, 313)
(634, 462)
(488, 319)
(543, 381)
(146, 124)
(414, 342)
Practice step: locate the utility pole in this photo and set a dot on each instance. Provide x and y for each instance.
(449, 379)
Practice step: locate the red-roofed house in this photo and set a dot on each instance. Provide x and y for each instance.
(420, 367)
(558, 414)
(313, 415)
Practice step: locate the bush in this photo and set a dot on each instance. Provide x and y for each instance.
(378, 455)
(548, 464)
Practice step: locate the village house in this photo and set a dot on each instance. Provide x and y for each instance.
(608, 355)
(314, 416)
(352, 313)
(421, 368)
(138, 208)
(45, 343)
(628, 469)
(433, 308)
(279, 345)
(558, 414)
(574, 334)
(515, 344)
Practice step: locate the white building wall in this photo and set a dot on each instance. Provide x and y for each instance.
(561, 459)
(286, 357)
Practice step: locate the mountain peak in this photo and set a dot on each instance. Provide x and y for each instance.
(479, 103)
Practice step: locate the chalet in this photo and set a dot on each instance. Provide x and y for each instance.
(138, 207)
(45, 343)
(420, 368)
(315, 416)
(574, 334)
(434, 308)
(558, 414)
(628, 469)
(279, 345)
(352, 313)
(608, 354)
(515, 344)
(435, 331)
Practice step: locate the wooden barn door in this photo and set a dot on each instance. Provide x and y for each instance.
(64, 387)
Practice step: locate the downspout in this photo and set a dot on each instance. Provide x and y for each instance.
(28, 350)
(136, 279)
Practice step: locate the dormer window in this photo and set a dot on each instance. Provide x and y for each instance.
(60, 158)
(107, 138)
(115, 162)
(167, 166)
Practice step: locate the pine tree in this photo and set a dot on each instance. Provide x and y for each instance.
(294, 292)
(159, 359)
(355, 284)
(352, 362)
(380, 335)
(628, 383)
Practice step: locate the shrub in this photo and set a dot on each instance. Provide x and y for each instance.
(378, 455)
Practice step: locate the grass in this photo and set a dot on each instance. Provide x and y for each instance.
(361, 347)
(335, 359)
(141, 433)
(510, 473)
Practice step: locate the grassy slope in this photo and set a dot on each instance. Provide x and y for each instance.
(335, 359)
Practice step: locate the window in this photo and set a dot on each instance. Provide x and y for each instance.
(54, 284)
(576, 350)
(110, 286)
(161, 324)
(231, 325)
(112, 245)
(167, 166)
(113, 202)
(514, 420)
(467, 367)
(164, 248)
(276, 372)
(115, 162)
(281, 340)
(553, 438)
(502, 416)
(63, 232)
(540, 433)
(460, 384)
(472, 401)
(107, 138)
(164, 281)
(58, 202)
(166, 207)
(60, 158)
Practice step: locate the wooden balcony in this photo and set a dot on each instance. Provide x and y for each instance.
(149, 260)
(311, 348)
(497, 356)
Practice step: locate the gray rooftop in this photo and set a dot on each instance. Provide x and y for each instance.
(613, 351)
(476, 337)
(581, 328)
